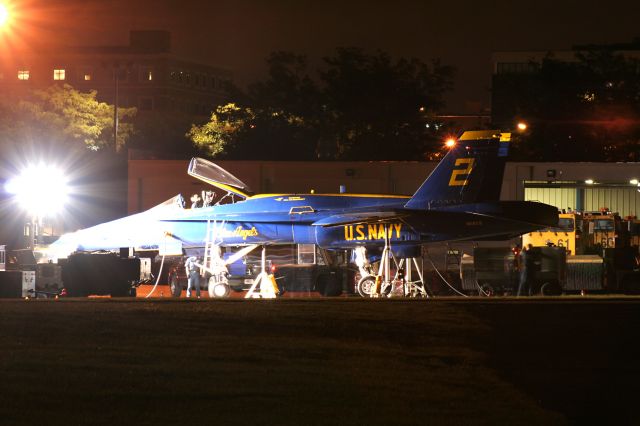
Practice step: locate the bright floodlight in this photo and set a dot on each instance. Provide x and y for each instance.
(4, 14)
(522, 126)
(40, 190)
(634, 181)
(450, 143)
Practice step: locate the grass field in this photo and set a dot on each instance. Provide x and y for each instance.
(320, 361)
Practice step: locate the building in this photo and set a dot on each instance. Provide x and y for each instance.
(144, 74)
(515, 69)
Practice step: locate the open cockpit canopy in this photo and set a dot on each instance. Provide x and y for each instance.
(215, 175)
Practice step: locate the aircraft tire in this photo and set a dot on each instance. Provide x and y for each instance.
(175, 287)
(218, 289)
(365, 285)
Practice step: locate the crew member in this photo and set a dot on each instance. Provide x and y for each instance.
(196, 201)
(193, 271)
(207, 198)
(527, 269)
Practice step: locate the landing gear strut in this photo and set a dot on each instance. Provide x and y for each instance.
(382, 284)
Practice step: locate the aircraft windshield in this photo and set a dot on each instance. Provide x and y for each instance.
(212, 173)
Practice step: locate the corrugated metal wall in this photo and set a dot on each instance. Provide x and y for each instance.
(562, 198)
(625, 201)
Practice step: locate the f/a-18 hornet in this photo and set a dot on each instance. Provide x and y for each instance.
(458, 201)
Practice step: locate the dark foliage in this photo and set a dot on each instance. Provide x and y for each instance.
(358, 106)
(586, 110)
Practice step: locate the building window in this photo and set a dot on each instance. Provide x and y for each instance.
(58, 74)
(23, 75)
(87, 77)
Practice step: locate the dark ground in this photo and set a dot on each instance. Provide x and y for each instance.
(318, 361)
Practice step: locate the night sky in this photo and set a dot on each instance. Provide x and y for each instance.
(239, 34)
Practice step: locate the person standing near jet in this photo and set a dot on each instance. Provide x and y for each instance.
(193, 271)
(527, 269)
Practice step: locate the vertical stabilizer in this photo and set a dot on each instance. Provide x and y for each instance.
(470, 173)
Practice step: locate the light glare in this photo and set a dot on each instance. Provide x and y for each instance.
(4, 14)
(40, 190)
(450, 143)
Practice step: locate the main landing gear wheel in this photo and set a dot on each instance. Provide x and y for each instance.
(218, 288)
(365, 285)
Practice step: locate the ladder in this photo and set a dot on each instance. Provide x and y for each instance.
(213, 239)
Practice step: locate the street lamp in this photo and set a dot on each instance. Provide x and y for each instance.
(41, 191)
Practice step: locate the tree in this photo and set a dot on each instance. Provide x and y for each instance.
(376, 107)
(219, 135)
(584, 110)
(64, 116)
(359, 106)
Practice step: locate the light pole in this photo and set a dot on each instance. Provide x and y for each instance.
(116, 78)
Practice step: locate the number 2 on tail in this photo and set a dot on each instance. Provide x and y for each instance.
(460, 177)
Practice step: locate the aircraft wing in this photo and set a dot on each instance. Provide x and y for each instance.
(359, 217)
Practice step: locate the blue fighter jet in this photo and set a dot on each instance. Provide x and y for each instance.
(458, 201)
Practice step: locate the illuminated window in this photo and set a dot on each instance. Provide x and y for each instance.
(58, 74)
(87, 77)
(23, 75)
(148, 75)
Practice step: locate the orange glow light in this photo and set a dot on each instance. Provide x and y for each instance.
(450, 143)
(522, 126)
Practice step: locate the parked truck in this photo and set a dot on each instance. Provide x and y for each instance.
(602, 250)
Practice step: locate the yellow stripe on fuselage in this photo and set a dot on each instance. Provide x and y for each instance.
(331, 195)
